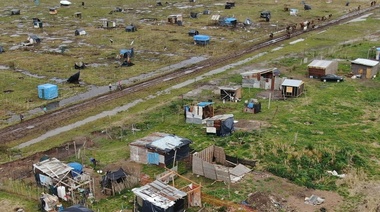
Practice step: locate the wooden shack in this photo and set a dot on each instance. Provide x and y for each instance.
(174, 19)
(15, 12)
(292, 88)
(212, 163)
(64, 178)
(195, 114)
(159, 196)
(231, 93)
(319, 68)
(268, 79)
(221, 125)
(365, 68)
(159, 149)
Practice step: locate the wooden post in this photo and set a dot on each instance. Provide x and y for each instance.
(93, 188)
(270, 96)
(75, 149)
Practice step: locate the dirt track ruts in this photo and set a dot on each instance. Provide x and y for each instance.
(52, 120)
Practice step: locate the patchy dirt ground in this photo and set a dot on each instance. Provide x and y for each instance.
(277, 194)
(249, 125)
(266, 192)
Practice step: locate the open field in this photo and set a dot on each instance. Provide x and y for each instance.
(156, 43)
(334, 126)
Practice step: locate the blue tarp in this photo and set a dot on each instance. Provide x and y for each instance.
(127, 52)
(201, 39)
(77, 168)
(153, 158)
(250, 105)
(230, 20)
(47, 91)
(203, 104)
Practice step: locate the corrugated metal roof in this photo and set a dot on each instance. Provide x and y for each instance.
(148, 139)
(167, 142)
(230, 88)
(240, 170)
(161, 141)
(159, 194)
(256, 71)
(53, 167)
(365, 62)
(292, 83)
(320, 63)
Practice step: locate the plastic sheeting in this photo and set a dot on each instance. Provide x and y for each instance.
(227, 127)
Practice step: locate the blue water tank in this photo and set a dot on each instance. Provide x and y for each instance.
(201, 39)
(47, 91)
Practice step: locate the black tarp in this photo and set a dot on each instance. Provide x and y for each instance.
(182, 152)
(193, 32)
(227, 127)
(74, 78)
(77, 208)
(116, 176)
(307, 7)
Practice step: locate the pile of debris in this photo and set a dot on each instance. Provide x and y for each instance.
(262, 201)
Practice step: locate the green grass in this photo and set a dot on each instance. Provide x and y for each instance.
(149, 40)
(11, 201)
(333, 127)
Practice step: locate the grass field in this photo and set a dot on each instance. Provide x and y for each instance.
(156, 43)
(334, 126)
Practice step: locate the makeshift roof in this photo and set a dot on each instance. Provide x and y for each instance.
(116, 175)
(53, 167)
(221, 117)
(203, 104)
(161, 141)
(230, 88)
(261, 71)
(34, 37)
(159, 194)
(168, 143)
(292, 83)
(320, 63)
(178, 15)
(365, 62)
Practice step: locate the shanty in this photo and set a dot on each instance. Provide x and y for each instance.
(365, 68)
(319, 68)
(268, 79)
(211, 162)
(69, 182)
(195, 114)
(160, 149)
(189, 106)
(292, 88)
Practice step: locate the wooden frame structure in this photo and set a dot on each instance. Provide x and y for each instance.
(57, 173)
